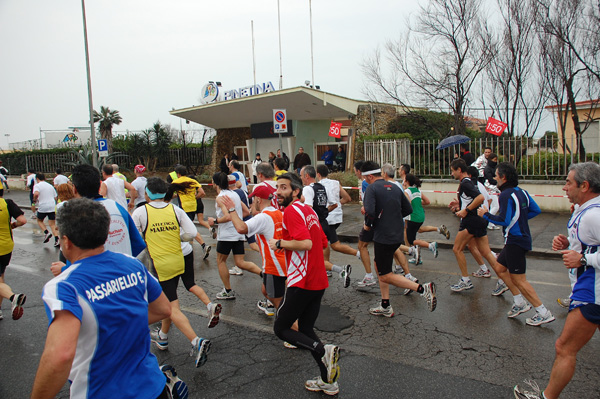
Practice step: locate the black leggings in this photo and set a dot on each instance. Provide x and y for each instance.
(302, 305)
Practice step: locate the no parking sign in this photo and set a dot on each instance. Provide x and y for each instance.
(279, 121)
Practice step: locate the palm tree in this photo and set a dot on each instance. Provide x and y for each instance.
(107, 119)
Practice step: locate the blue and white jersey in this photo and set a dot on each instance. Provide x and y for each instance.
(123, 236)
(516, 208)
(584, 237)
(239, 176)
(109, 293)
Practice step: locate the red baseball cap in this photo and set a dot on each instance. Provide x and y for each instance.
(262, 191)
(140, 168)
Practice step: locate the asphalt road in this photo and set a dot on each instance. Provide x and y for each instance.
(467, 348)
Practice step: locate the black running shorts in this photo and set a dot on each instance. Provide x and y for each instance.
(384, 257)
(366, 235)
(274, 285)
(225, 247)
(4, 261)
(512, 257)
(412, 228)
(475, 225)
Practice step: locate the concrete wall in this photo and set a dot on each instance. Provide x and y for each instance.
(549, 188)
(307, 134)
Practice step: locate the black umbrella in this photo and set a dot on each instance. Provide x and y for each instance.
(452, 140)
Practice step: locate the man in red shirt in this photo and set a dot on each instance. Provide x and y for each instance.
(306, 283)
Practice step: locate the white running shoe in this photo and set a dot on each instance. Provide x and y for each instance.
(236, 271)
(317, 385)
(538, 319)
(213, 315)
(381, 311)
(367, 282)
(408, 291)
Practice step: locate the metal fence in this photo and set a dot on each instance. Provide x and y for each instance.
(534, 158)
(47, 163)
(395, 152)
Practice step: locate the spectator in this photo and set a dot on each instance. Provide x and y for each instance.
(466, 155)
(327, 157)
(340, 159)
(302, 159)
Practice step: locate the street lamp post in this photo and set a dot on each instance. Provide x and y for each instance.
(89, 84)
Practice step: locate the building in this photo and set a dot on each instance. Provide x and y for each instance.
(244, 121)
(589, 116)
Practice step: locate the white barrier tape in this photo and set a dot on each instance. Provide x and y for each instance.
(455, 192)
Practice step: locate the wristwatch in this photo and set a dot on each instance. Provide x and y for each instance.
(583, 260)
(278, 244)
(231, 210)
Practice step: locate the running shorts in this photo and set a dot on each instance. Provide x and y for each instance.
(384, 257)
(199, 205)
(41, 216)
(366, 235)
(225, 247)
(512, 257)
(191, 215)
(412, 228)
(274, 285)
(329, 232)
(169, 287)
(475, 225)
(591, 312)
(4, 261)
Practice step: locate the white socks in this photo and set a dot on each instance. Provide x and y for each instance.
(519, 301)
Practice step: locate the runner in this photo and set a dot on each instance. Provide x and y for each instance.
(190, 191)
(114, 188)
(45, 195)
(580, 256)
(385, 208)
(315, 195)
(365, 236)
(236, 271)
(265, 224)
(265, 174)
(472, 227)
(30, 186)
(162, 225)
(303, 243)
(60, 178)
(139, 183)
(98, 333)
(228, 239)
(8, 211)
(516, 207)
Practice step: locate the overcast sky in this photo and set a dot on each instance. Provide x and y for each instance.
(150, 56)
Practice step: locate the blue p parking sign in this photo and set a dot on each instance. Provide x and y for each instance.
(103, 147)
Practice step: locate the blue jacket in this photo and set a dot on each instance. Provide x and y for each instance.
(328, 157)
(516, 208)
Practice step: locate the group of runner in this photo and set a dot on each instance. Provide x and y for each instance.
(292, 222)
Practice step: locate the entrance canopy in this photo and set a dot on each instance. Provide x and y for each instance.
(301, 103)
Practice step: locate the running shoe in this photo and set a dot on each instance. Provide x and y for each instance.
(517, 310)
(358, 255)
(500, 289)
(56, 244)
(213, 314)
(413, 262)
(462, 286)
(398, 269)
(381, 311)
(329, 273)
(429, 295)
(538, 319)
(17, 306)
(417, 254)
(444, 231)
(206, 250)
(345, 275)
(330, 360)
(408, 291)
(200, 351)
(33, 217)
(481, 273)
(564, 302)
(213, 232)
(266, 306)
(162, 344)
(1, 315)
(529, 389)
(226, 295)
(367, 282)
(434, 249)
(177, 388)
(289, 346)
(47, 237)
(317, 385)
(236, 271)
(493, 227)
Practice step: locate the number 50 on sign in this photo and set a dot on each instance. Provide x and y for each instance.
(495, 127)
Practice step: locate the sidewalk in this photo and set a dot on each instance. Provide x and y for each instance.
(543, 228)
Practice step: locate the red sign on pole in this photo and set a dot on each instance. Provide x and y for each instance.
(335, 130)
(495, 127)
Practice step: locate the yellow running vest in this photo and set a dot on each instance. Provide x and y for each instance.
(6, 238)
(163, 241)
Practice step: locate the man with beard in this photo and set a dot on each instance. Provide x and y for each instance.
(303, 242)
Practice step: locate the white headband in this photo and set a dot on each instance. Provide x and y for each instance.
(371, 172)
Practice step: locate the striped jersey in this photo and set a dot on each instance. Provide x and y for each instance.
(266, 225)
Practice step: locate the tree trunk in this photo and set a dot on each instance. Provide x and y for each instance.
(575, 118)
